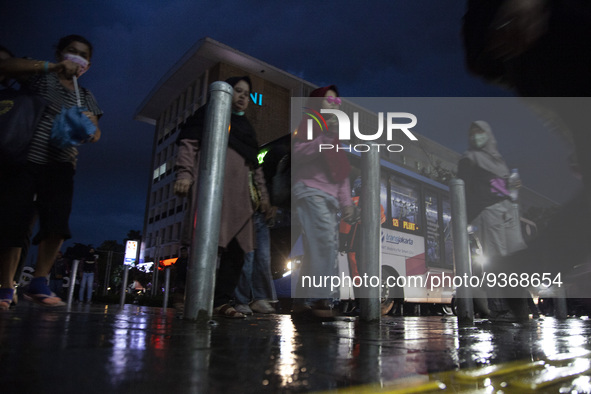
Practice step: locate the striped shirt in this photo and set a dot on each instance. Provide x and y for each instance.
(48, 86)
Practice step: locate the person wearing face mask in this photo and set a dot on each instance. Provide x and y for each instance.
(43, 187)
(321, 188)
(237, 231)
(490, 211)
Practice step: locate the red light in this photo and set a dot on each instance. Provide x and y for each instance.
(168, 262)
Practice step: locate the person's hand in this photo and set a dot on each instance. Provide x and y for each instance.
(347, 213)
(94, 119)
(66, 68)
(267, 209)
(517, 26)
(270, 214)
(182, 186)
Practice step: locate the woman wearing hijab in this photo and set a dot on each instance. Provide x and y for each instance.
(236, 225)
(321, 188)
(491, 212)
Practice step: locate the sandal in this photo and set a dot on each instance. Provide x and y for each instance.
(39, 293)
(6, 297)
(228, 311)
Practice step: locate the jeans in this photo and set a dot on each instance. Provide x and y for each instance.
(256, 280)
(319, 222)
(86, 284)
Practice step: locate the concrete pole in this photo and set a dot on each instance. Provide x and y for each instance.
(461, 250)
(166, 287)
(370, 233)
(124, 286)
(201, 271)
(73, 275)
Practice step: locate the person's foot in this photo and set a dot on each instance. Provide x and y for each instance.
(300, 308)
(504, 317)
(39, 293)
(6, 297)
(323, 309)
(262, 306)
(227, 310)
(243, 308)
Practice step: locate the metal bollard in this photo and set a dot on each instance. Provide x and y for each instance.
(166, 288)
(107, 272)
(560, 306)
(202, 264)
(370, 230)
(73, 275)
(124, 286)
(461, 250)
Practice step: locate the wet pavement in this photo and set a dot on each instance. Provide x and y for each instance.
(105, 349)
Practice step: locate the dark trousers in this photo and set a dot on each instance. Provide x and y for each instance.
(228, 275)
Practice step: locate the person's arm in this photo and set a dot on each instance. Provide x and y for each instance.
(344, 197)
(21, 68)
(185, 166)
(304, 151)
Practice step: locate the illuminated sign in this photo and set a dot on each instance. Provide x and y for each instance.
(168, 262)
(257, 98)
(130, 252)
(405, 225)
(261, 155)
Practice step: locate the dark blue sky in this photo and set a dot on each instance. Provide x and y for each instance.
(369, 49)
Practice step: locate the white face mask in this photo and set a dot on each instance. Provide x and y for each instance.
(79, 60)
(479, 140)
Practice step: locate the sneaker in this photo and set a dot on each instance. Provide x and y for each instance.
(39, 293)
(262, 306)
(243, 308)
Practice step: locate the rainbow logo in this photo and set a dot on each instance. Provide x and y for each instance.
(317, 117)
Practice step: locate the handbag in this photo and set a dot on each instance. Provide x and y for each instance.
(20, 111)
(71, 127)
(255, 193)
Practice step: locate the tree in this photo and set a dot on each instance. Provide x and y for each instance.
(133, 235)
(78, 251)
(112, 245)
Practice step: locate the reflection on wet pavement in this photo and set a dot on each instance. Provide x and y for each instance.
(140, 349)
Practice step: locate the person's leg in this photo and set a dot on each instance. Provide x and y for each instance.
(320, 239)
(9, 258)
(54, 201)
(228, 274)
(262, 283)
(48, 249)
(243, 292)
(262, 280)
(17, 189)
(82, 287)
(89, 286)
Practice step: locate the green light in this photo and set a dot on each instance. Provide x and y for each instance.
(262, 154)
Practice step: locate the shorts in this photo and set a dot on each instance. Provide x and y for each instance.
(36, 191)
